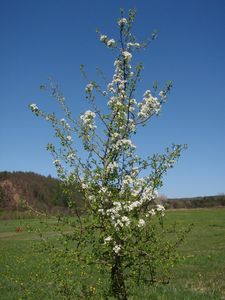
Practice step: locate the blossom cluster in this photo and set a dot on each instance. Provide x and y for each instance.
(111, 167)
(124, 144)
(64, 123)
(134, 45)
(127, 56)
(149, 106)
(122, 22)
(89, 88)
(111, 43)
(34, 108)
(87, 119)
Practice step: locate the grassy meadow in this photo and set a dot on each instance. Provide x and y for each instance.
(26, 271)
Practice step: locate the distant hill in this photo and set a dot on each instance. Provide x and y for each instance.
(196, 202)
(40, 192)
(46, 194)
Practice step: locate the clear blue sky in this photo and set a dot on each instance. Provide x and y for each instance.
(42, 38)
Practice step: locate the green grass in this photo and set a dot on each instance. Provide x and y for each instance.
(25, 272)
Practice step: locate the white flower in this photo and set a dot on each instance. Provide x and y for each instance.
(65, 124)
(135, 45)
(136, 192)
(115, 135)
(160, 209)
(117, 63)
(125, 220)
(102, 190)
(84, 185)
(133, 205)
(122, 22)
(152, 212)
(162, 94)
(127, 55)
(118, 205)
(127, 180)
(112, 167)
(89, 88)
(148, 194)
(101, 211)
(103, 38)
(107, 239)
(118, 223)
(34, 107)
(88, 120)
(91, 197)
(149, 106)
(69, 138)
(71, 156)
(125, 143)
(117, 248)
(87, 116)
(111, 88)
(56, 163)
(141, 223)
(111, 43)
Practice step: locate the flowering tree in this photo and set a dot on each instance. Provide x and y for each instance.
(122, 223)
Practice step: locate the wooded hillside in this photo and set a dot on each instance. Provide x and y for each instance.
(40, 192)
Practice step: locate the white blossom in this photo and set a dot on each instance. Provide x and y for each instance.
(88, 119)
(91, 197)
(162, 94)
(84, 185)
(160, 209)
(122, 22)
(124, 143)
(111, 88)
(69, 138)
(103, 38)
(127, 180)
(111, 43)
(136, 192)
(112, 167)
(64, 123)
(107, 239)
(141, 223)
(117, 63)
(152, 212)
(117, 248)
(118, 224)
(127, 55)
(115, 135)
(34, 106)
(148, 194)
(56, 162)
(71, 156)
(89, 88)
(125, 220)
(149, 106)
(135, 45)
(134, 204)
(103, 190)
(87, 116)
(101, 211)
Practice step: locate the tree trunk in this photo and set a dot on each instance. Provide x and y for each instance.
(117, 280)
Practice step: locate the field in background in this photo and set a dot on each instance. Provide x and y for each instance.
(200, 274)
